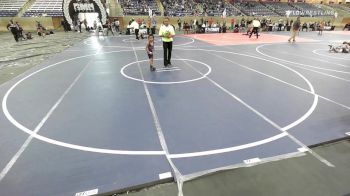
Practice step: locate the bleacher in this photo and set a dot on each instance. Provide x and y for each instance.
(139, 7)
(255, 9)
(341, 7)
(180, 8)
(45, 8)
(216, 8)
(281, 8)
(10, 8)
(231, 11)
(310, 9)
(212, 8)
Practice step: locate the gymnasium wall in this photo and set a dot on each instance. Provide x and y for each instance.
(28, 23)
(173, 20)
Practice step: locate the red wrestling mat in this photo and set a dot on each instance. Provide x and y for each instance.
(221, 39)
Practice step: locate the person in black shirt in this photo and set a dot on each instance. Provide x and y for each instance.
(19, 31)
(63, 25)
(13, 28)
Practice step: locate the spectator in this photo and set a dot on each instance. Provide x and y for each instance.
(304, 27)
(109, 28)
(63, 25)
(116, 25)
(179, 23)
(85, 25)
(154, 25)
(29, 35)
(79, 25)
(280, 24)
(320, 28)
(149, 25)
(232, 22)
(139, 21)
(95, 25)
(13, 28)
(210, 22)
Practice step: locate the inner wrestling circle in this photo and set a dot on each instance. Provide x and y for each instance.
(183, 72)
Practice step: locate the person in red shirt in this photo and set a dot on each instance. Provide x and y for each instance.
(232, 23)
(139, 21)
(210, 22)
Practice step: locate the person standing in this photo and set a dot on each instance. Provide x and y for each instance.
(149, 25)
(116, 25)
(95, 25)
(154, 25)
(179, 23)
(210, 22)
(85, 25)
(109, 28)
(79, 25)
(256, 25)
(321, 27)
(232, 22)
(167, 33)
(280, 24)
(135, 25)
(19, 31)
(13, 28)
(295, 29)
(150, 51)
(63, 25)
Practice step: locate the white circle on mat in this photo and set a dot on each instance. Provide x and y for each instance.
(122, 71)
(152, 153)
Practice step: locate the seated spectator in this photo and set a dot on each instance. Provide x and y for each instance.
(313, 26)
(29, 35)
(186, 28)
(346, 27)
(304, 27)
(224, 27)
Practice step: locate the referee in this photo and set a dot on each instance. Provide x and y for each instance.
(256, 26)
(167, 32)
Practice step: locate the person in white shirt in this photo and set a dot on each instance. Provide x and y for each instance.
(134, 25)
(167, 32)
(256, 25)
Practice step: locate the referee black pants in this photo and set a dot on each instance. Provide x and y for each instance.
(137, 33)
(167, 48)
(255, 30)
